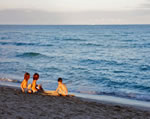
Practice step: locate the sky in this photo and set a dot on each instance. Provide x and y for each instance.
(62, 12)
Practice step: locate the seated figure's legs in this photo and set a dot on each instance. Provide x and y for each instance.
(61, 92)
(54, 93)
(30, 88)
(40, 88)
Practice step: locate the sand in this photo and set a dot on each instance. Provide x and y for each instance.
(16, 105)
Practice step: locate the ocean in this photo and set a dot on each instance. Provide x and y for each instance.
(111, 60)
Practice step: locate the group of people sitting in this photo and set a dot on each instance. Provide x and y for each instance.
(34, 88)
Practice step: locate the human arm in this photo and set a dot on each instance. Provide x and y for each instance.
(66, 90)
(58, 88)
(22, 88)
(62, 89)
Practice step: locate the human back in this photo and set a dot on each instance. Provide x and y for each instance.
(24, 83)
(34, 87)
(62, 88)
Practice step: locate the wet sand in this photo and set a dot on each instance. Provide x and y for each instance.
(16, 105)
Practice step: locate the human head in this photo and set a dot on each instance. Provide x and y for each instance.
(26, 76)
(60, 80)
(36, 76)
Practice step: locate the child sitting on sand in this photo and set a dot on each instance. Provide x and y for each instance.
(33, 88)
(61, 89)
(24, 83)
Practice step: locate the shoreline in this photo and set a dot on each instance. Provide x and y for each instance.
(99, 98)
(115, 100)
(15, 104)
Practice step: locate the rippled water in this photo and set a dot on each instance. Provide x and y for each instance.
(104, 59)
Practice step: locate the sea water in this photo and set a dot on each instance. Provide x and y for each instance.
(112, 60)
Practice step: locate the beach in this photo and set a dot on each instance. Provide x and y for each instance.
(96, 59)
(17, 105)
(107, 67)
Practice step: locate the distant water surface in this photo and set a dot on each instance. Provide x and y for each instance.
(100, 59)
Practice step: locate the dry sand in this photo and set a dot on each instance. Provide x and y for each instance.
(17, 105)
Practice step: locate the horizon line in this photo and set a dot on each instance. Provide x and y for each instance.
(71, 24)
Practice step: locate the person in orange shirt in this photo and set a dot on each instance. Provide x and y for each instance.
(33, 88)
(24, 83)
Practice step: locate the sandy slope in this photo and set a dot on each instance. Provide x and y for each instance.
(16, 105)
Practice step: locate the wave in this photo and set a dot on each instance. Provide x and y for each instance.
(31, 44)
(136, 96)
(20, 44)
(10, 80)
(106, 62)
(24, 44)
(129, 40)
(90, 61)
(107, 35)
(46, 45)
(17, 44)
(144, 67)
(118, 72)
(4, 38)
(128, 33)
(52, 69)
(136, 45)
(31, 54)
(90, 44)
(73, 39)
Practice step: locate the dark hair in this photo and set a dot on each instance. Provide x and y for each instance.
(27, 74)
(59, 79)
(36, 74)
